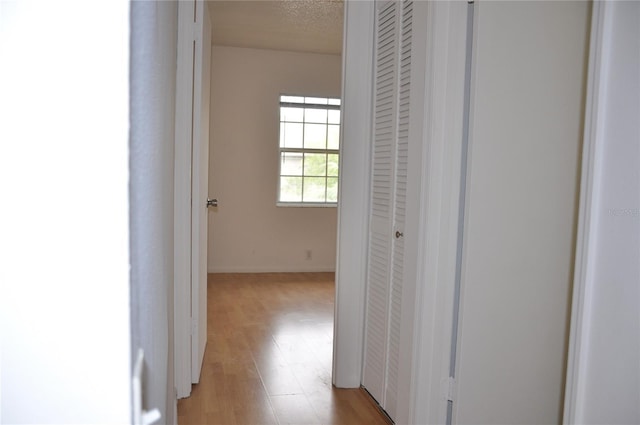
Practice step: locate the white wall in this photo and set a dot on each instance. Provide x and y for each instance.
(247, 232)
(525, 137)
(64, 224)
(604, 369)
(153, 86)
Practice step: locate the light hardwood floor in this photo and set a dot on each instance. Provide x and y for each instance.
(268, 357)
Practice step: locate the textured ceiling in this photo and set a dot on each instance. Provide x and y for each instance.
(313, 26)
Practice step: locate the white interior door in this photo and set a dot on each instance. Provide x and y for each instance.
(385, 280)
(191, 185)
(200, 187)
(381, 209)
(399, 204)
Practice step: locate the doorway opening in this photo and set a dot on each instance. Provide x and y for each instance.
(262, 50)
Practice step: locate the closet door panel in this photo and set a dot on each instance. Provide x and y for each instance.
(379, 270)
(399, 208)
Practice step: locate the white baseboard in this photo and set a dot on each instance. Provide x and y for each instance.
(272, 269)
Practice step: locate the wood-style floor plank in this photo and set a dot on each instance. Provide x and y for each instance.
(268, 356)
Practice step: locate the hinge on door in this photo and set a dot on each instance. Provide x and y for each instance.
(450, 388)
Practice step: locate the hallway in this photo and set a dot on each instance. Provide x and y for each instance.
(269, 353)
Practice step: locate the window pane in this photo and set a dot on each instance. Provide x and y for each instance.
(314, 189)
(292, 99)
(290, 164)
(315, 164)
(315, 115)
(334, 116)
(332, 189)
(332, 164)
(333, 140)
(291, 135)
(291, 114)
(316, 100)
(315, 136)
(309, 145)
(290, 189)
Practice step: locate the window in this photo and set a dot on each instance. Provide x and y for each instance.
(309, 151)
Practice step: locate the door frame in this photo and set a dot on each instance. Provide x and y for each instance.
(583, 280)
(435, 221)
(353, 202)
(603, 99)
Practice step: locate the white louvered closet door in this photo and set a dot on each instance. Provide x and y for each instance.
(399, 211)
(388, 199)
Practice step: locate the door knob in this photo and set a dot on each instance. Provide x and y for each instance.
(399, 234)
(212, 202)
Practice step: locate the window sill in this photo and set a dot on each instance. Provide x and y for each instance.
(306, 205)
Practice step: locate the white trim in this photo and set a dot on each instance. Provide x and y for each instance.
(439, 193)
(577, 339)
(353, 203)
(307, 205)
(580, 310)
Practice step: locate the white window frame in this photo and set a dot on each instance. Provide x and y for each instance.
(310, 102)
